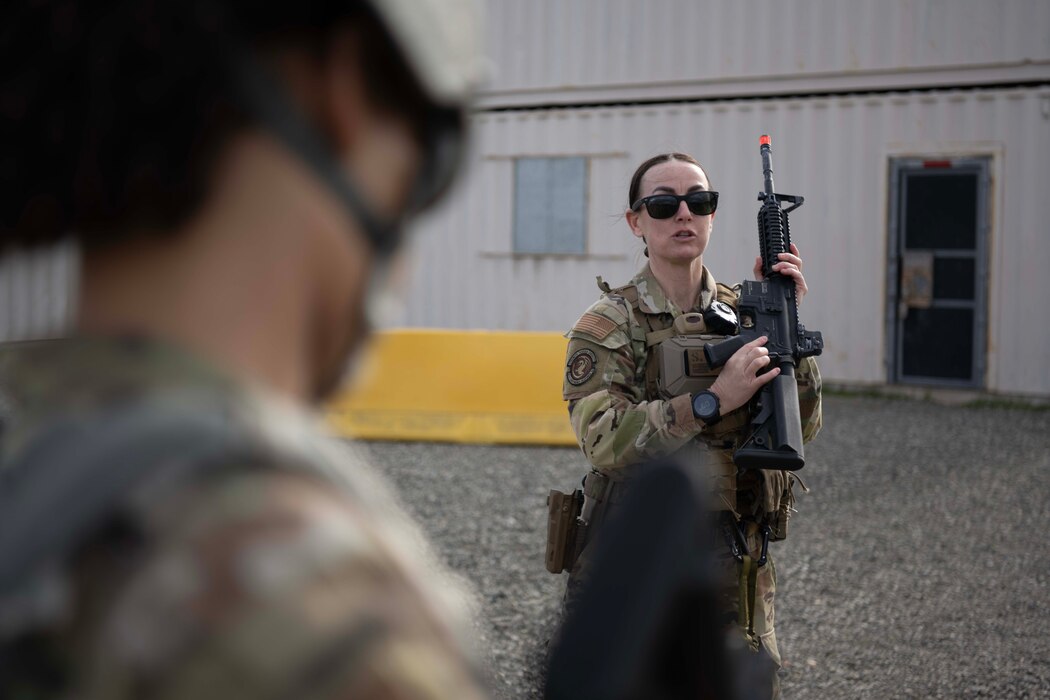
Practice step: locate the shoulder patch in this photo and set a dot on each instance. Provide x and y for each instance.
(593, 324)
(606, 323)
(581, 366)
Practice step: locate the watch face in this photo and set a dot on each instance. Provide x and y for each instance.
(705, 405)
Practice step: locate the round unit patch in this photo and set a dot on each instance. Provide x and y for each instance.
(580, 367)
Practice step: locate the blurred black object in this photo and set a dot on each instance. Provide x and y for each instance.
(646, 623)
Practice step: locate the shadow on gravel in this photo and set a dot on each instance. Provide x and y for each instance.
(917, 566)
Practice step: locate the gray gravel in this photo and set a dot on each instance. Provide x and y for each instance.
(918, 565)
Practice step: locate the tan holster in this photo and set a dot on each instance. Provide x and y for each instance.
(563, 512)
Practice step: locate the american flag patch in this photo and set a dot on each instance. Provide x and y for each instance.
(595, 325)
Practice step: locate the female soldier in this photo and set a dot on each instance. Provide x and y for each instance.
(622, 418)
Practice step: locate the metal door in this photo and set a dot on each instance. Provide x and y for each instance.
(938, 271)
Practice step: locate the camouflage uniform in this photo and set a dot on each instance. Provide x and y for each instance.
(295, 577)
(621, 420)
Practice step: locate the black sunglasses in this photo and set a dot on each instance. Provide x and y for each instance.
(664, 206)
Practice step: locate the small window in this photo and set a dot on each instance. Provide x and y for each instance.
(550, 205)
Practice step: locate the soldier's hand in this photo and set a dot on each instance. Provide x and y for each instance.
(740, 378)
(790, 265)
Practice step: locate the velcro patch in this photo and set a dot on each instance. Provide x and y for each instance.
(595, 325)
(580, 367)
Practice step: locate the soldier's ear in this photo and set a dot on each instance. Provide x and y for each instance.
(632, 221)
(342, 90)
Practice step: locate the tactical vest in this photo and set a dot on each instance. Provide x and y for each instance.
(662, 340)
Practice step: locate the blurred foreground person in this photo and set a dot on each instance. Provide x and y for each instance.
(173, 523)
(646, 624)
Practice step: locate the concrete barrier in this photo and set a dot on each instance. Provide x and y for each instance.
(458, 386)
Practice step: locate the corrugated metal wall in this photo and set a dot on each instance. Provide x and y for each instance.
(833, 150)
(585, 51)
(36, 293)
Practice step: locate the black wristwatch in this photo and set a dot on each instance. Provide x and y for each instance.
(706, 407)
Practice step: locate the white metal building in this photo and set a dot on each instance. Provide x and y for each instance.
(917, 130)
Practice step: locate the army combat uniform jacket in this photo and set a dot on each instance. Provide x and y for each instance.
(621, 420)
(284, 572)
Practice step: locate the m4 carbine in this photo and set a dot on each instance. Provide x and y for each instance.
(769, 307)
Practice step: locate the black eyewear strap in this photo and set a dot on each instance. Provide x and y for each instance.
(443, 144)
(664, 206)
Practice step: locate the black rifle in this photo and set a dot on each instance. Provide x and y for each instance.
(770, 308)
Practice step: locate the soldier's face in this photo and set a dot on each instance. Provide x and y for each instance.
(381, 154)
(683, 237)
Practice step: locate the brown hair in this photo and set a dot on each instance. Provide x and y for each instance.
(636, 180)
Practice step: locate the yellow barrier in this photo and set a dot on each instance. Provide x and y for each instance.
(458, 386)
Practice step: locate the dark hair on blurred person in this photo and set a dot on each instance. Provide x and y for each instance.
(113, 113)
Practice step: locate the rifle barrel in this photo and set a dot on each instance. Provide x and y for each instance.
(767, 162)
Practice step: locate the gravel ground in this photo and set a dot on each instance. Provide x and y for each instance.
(918, 565)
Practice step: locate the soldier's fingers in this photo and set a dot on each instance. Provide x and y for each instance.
(742, 357)
(792, 272)
(763, 379)
(757, 364)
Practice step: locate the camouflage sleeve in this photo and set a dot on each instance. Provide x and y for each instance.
(808, 376)
(614, 423)
(271, 585)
